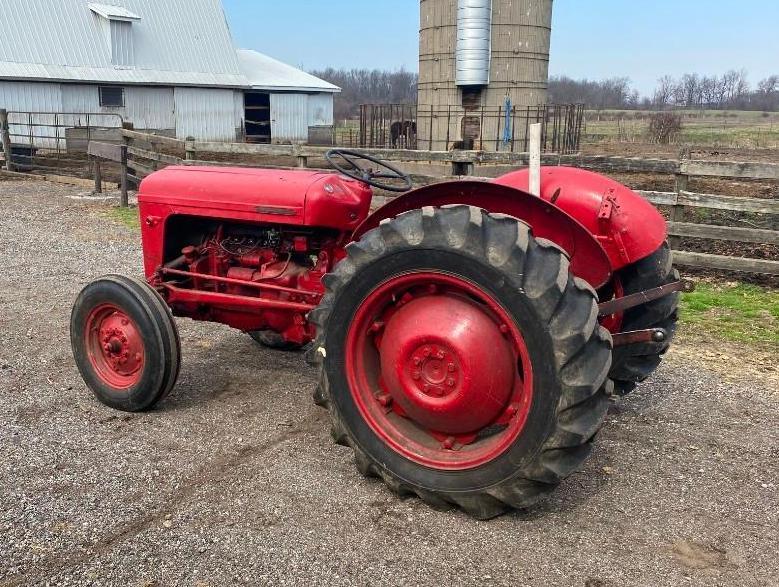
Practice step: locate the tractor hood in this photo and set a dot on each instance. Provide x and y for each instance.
(261, 195)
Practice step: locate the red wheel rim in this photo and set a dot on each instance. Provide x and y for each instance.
(439, 370)
(114, 347)
(614, 322)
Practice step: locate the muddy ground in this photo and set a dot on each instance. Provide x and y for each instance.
(234, 479)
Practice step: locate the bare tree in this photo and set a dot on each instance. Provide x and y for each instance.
(664, 91)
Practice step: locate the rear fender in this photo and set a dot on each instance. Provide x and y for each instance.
(588, 259)
(627, 226)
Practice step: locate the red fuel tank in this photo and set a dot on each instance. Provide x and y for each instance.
(309, 198)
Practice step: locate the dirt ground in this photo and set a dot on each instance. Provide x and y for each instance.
(234, 479)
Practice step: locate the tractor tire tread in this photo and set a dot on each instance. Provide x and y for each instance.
(582, 347)
(635, 363)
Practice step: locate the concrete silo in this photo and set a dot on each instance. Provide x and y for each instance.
(476, 57)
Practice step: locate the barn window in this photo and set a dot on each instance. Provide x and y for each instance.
(111, 97)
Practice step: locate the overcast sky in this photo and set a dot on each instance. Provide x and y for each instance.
(590, 38)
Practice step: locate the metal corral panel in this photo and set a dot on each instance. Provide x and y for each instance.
(177, 42)
(147, 108)
(289, 117)
(320, 109)
(474, 40)
(205, 114)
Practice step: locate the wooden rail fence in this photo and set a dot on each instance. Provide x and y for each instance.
(144, 153)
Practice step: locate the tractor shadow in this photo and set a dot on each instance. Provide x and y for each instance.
(229, 367)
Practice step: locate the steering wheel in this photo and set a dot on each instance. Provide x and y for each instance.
(369, 176)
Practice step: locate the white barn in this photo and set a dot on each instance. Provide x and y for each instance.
(164, 66)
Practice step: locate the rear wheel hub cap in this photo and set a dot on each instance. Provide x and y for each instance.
(447, 364)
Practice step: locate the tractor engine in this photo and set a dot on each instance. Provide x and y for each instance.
(253, 278)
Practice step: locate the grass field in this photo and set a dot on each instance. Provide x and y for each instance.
(714, 128)
(127, 216)
(734, 312)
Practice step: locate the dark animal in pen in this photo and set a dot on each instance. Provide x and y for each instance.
(404, 134)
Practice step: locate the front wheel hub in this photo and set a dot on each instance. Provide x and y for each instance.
(447, 364)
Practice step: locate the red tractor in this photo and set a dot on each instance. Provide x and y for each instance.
(468, 334)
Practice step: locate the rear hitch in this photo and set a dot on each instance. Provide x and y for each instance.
(657, 335)
(637, 299)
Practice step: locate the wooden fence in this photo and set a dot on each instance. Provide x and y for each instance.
(145, 153)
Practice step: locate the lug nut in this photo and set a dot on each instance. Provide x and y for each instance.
(426, 351)
(384, 399)
(417, 361)
(416, 375)
(125, 321)
(451, 368)
(450, 382)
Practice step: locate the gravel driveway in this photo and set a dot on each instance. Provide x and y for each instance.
(234, 479)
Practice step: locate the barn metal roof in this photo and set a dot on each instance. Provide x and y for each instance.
(266, 73)
(177, 42)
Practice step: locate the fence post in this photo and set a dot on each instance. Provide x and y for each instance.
(98, 175)
(124, 201)
(5, 136)
(677, 211)
(189, 149)
(535, 159)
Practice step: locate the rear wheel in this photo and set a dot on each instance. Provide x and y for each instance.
(125, 343)
(461, 360)
(634, 363)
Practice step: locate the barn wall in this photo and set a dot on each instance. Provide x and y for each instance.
(146, 108)
(320, 109)
(289, 117)
(205, 114)
(240, 113)
(31, 97)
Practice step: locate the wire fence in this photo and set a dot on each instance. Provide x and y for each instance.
(437, 128)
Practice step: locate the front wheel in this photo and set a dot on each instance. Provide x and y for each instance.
(461, 360)
(125, 343)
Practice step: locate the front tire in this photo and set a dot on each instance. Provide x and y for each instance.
(461, 360)
(125, 343)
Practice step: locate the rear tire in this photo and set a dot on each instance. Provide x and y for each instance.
(633, 364)
(568, 358)
(125, 343)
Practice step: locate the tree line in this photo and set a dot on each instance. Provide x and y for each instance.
(729, 91)
(366, 86)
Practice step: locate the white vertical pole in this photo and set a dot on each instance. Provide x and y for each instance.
(535, 159)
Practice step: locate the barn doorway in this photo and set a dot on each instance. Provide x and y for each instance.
(257, 117)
